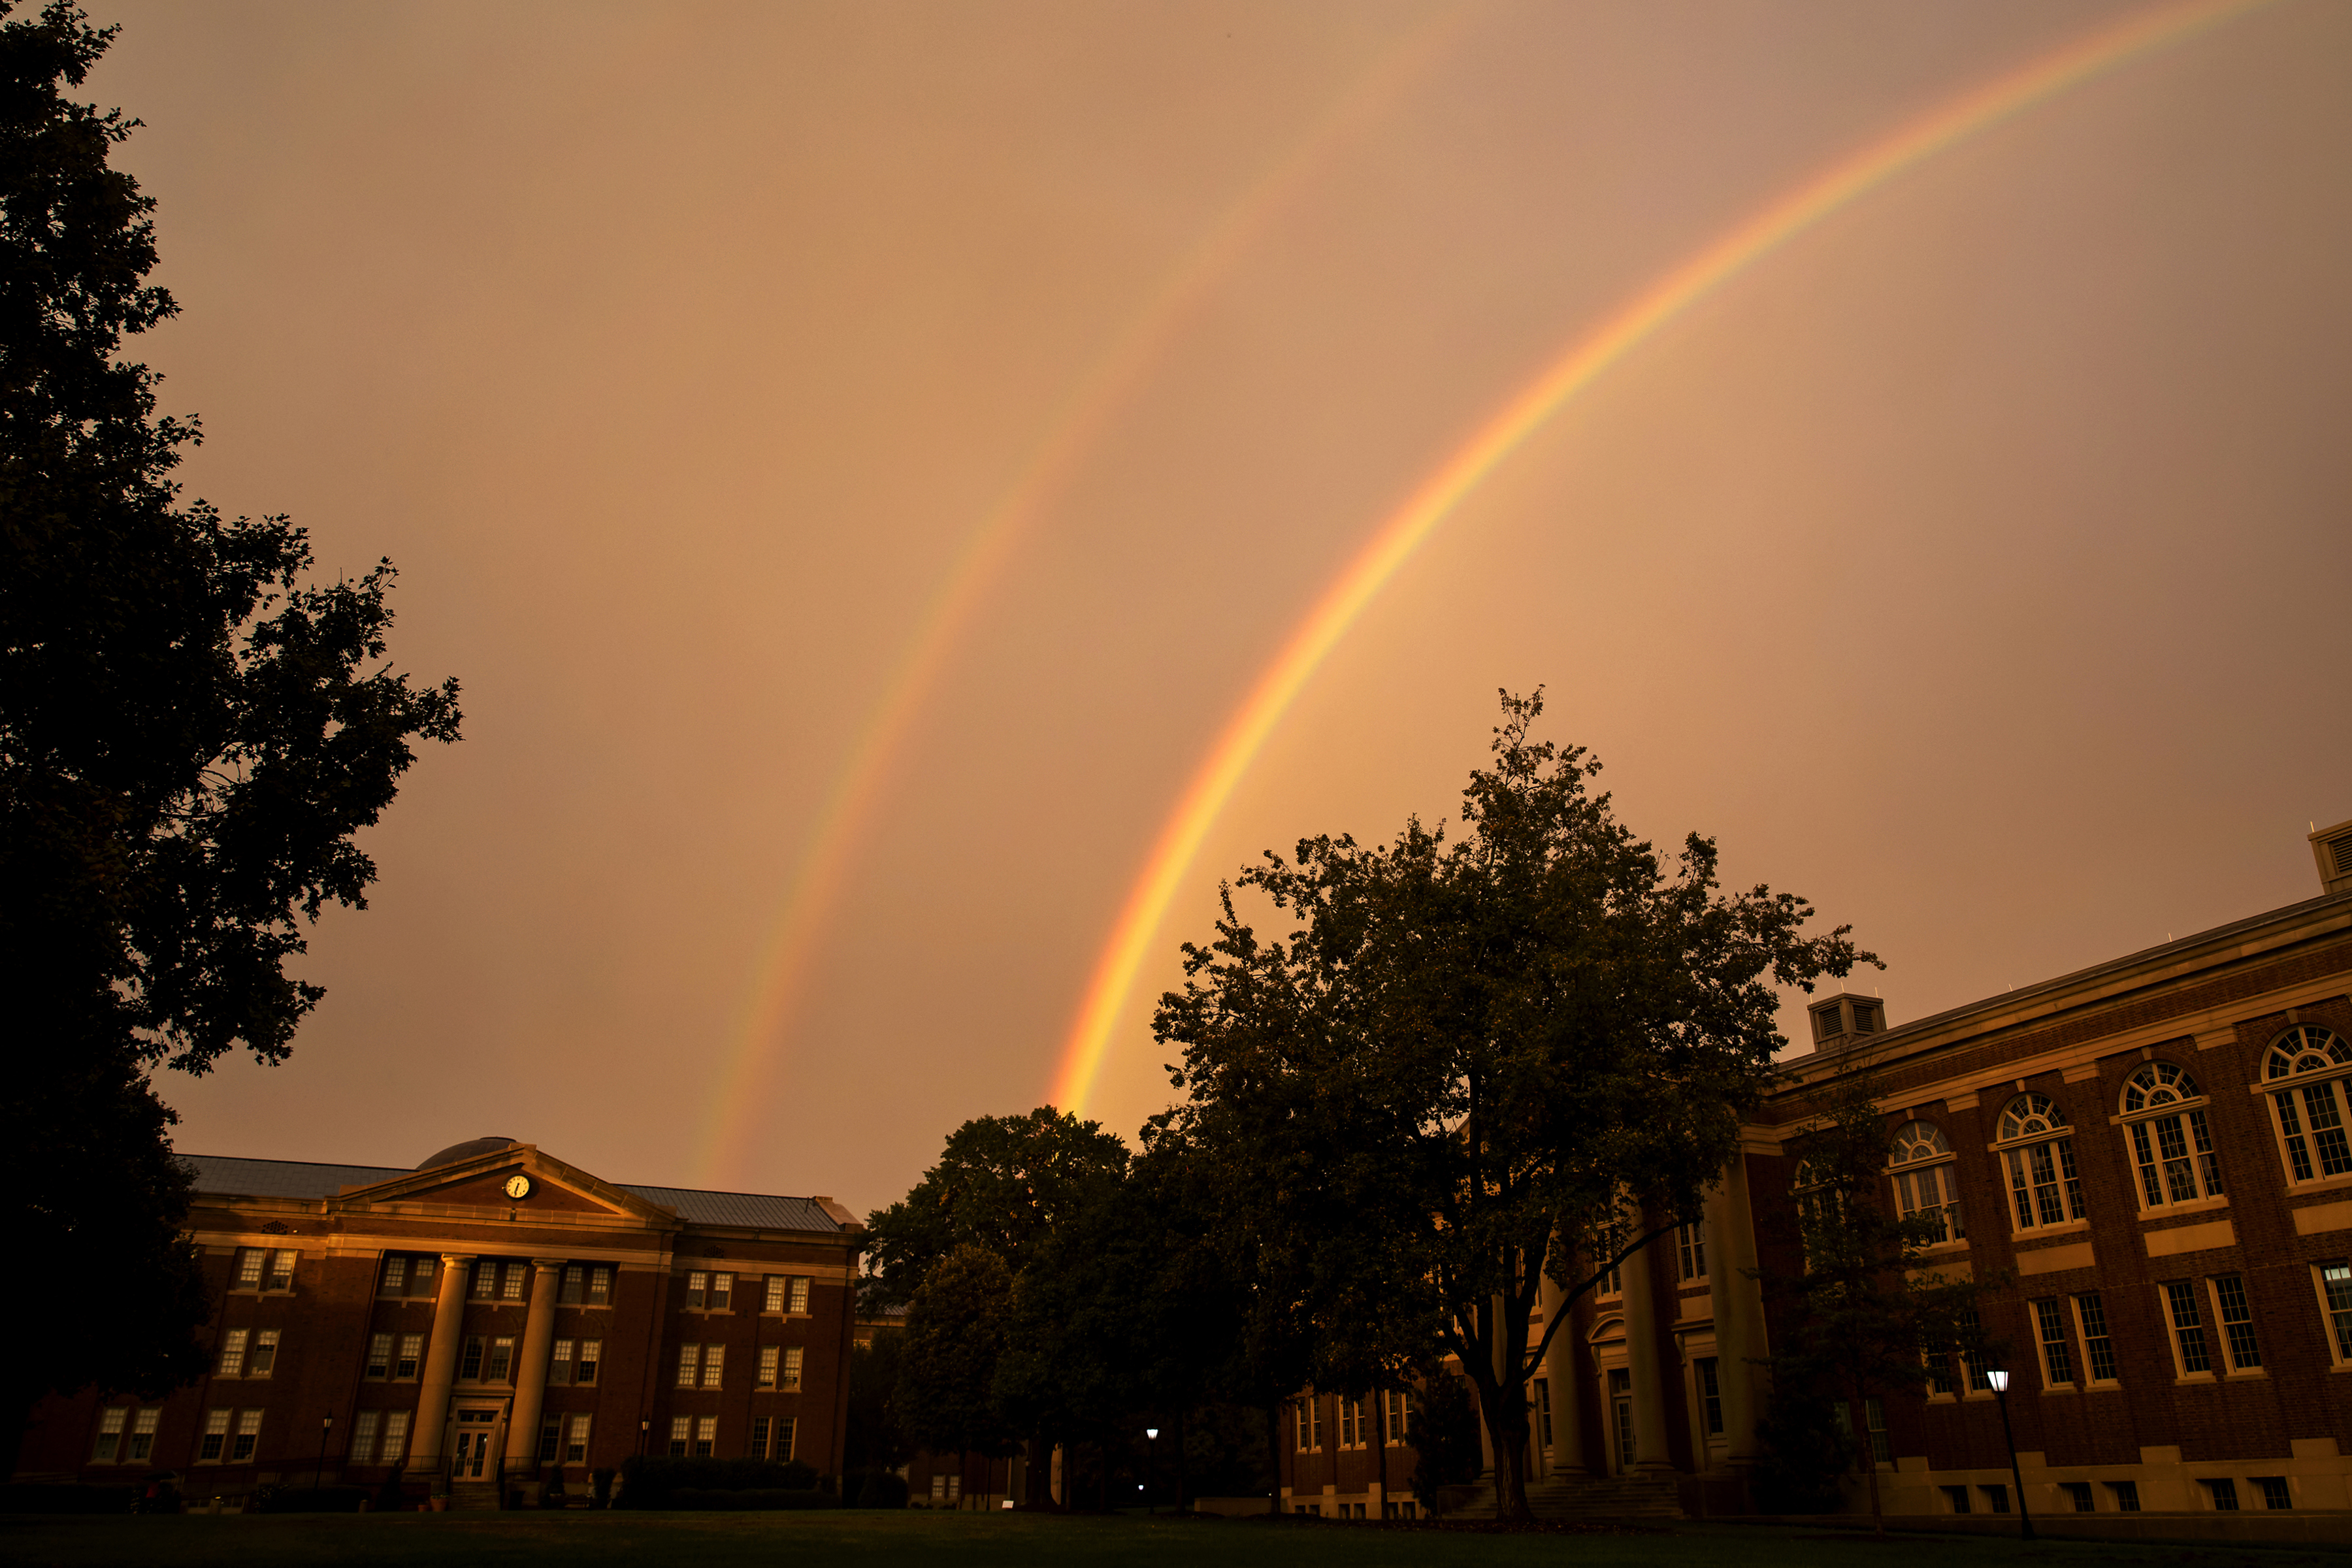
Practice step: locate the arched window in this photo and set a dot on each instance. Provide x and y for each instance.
(2172, 1144)
(1926, 1180)
(2306, 1065)
(2044, 1185)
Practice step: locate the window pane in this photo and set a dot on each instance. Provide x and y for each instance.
(395, 1436)
(2187, 1326)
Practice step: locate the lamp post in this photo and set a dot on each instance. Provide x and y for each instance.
(318, 1476)
(1150, 1469)
(1998, 1377)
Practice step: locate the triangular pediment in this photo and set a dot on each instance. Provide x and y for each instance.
(482, 1182)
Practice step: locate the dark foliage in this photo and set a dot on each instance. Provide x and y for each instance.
(875, 1440)
(873, 1489)
(651, 1481)
(957, 1329)
(191, 734)
(1445, 1435)
(38, 1497)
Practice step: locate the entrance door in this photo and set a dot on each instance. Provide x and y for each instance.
(1620, 1404)
(469, 1454)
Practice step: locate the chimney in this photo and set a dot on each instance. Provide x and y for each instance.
(2332, 848)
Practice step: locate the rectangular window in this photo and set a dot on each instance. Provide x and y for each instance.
(1314, 1415)
(2175, 1155)
(559, 1364)
(1939, 1372)
(2043, 1184)
(2298, 1153)
(1957, 1498)
(599, 1286)
(722, 1292)
(1351, 1423)
(770, 1356)
(249, 1264)
(2092, 1316)
(264, 1353)
(1972, 1350)
(2237, 1321)
(592, 1353)
(108, 1449)
(1543, 1410)
(395, 1277)
(2335, 1286)
(797, 1299)
(2126, 1496)
(485, 1279)
(575, 1442)
(1300, 1413)
(412, 1350)
(1710, 1396)
(758, 1436)
(2223, 1491)
(575, 1286)
(1882, 1446)
(363, 1431)
(774, 1302)
(516, 1273)
(282, 1270)
(395, 1438)
(232, 1355)
(713, 1358)
(469, 1362)
(378, 1356)
(1933, 1192)
(2320, 1105)
(551, 1440)
(689, 1365)
(1997, 1499)
(697, 1286)
(2057, 1360)
(2274, 1491)
(247, 1437)
(215, 1437)
(787, 1428)
(142, 1434)
(1399, 1411)
(2187, 1326)
(681, 1436)
(1690, 1244)
(792, 1376)
(2079, 1494)
(420, 1276)
(706, 1437)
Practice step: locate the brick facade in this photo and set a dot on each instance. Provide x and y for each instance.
(368, 1280)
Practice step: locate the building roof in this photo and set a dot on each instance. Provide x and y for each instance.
(225, 1176)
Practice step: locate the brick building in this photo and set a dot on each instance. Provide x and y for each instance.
(490, 1317)
(2146, 1165)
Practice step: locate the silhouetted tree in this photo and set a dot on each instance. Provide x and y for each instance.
(1481, 1048)
(191, 734)
(875, 1441)
(957, 1329)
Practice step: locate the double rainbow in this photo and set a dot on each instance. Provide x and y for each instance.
(1577, 367)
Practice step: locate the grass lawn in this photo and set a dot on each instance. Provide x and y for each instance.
(984, 1541)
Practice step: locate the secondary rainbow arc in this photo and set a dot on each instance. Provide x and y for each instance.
(1580, 364)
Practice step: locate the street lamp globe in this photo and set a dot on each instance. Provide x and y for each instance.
(1151, 1434)
(1998, 1377)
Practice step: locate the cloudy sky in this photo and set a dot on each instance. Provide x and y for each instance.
(860, 457)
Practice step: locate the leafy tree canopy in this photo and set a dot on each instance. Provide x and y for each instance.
(1472, 1052)
(1004, 1183)
(191, 734)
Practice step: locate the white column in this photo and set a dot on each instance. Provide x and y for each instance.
(1738, 1310)
(531, 1375)
(425, 1449)
(1646, 1356)
(1561, 1376)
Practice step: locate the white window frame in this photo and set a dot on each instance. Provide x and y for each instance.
(1920, 1151)
(113, 1423)
(364, 1426)
(395, 1438)
(2336, 1329)
(2169, 1095)
(689, 1365)
(232, 1353)
(2168, 1303)
(2300, 1060)
(714, 1366)
(2031, 1125)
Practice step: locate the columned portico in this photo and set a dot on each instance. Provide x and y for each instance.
(1738, 1307)
(531, 1375)
(441, 1363)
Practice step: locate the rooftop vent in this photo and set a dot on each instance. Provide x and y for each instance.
(1835, 1018)
(2332, 848)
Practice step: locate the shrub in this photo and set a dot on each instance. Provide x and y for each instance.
(649, 1483)
(873, 1489)
(310, 1500)
(762, 1497)
(38, 1497)
(603, 1482)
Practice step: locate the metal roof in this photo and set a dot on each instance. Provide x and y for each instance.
(226, 1176)
(751, 1211)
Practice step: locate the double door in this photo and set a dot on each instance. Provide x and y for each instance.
(473, 1439)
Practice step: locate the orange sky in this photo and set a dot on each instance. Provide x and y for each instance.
(1975, 564)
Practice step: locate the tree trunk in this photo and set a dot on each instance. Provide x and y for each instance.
(1381, 1445)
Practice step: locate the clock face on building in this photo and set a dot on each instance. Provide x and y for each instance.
(517, 1186)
